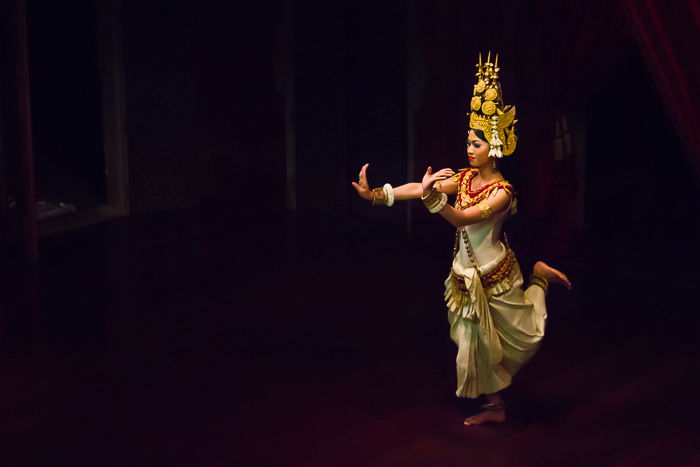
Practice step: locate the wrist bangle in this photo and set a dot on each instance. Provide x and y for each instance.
(434, 201)
(389, 193)
(428, 196)
(378, 197)
(441, 204)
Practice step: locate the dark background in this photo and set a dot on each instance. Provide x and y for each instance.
(205, 99)
(213, 325)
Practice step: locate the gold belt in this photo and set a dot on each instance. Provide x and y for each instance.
(500, 272)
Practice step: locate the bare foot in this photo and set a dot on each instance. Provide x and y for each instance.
(554, 276)
(497, 416)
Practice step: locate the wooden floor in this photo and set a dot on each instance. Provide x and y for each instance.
(200, 339)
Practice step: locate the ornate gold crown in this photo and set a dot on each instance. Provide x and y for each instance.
(489, 114)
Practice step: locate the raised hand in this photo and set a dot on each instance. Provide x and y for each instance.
(362, 186)
(430, 178)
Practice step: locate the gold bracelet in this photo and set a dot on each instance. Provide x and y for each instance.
(430, 200)
(379, 197)
(428, 196)
(485, 210)
(434, 201)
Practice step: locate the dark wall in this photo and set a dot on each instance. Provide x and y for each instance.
(240, 102)
(205, 119)
(350, 101)
(205, 101)
(65, 93)
(8, 102)
(160, 103)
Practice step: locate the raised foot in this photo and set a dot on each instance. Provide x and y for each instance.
(554, 276)
(496, 416)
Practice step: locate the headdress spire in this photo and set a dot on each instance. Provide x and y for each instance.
(489, 113)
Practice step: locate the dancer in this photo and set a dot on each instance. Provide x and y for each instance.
(495, 322)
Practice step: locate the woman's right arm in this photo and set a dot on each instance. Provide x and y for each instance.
(408, 191)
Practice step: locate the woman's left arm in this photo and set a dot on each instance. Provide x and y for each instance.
(493, 205)
(487, 208)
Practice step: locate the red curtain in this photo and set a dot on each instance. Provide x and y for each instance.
(668, 33)
(568, 49)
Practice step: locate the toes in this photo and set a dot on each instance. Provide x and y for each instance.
(485, 417)
(551, 274)
(566, 280)
(473, 420)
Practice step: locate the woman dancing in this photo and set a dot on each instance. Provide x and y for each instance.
(496, 324)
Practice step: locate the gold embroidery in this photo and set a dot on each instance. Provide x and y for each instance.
(467, 198)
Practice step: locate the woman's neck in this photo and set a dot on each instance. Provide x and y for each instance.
(487, 173)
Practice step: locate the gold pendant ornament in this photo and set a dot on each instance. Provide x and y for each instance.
(490, 94)
(489, 113)
(488, 108)
(476, 103)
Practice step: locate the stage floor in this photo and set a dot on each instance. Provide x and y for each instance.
(207, 339)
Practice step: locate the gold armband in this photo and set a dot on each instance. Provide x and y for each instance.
(485, 210)
(379, 197)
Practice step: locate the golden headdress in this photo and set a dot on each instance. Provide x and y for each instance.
(489, 114)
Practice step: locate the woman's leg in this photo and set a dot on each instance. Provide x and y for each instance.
(552, 275)
(527, 338)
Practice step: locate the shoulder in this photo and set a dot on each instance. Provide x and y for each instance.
(463, 174)
(499, 193)
(503, 185)
(504, 192)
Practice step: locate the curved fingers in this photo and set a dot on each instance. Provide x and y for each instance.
(363, 177)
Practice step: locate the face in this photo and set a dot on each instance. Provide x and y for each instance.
(477, 150)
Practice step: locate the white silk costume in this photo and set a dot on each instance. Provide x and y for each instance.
(496, 325)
